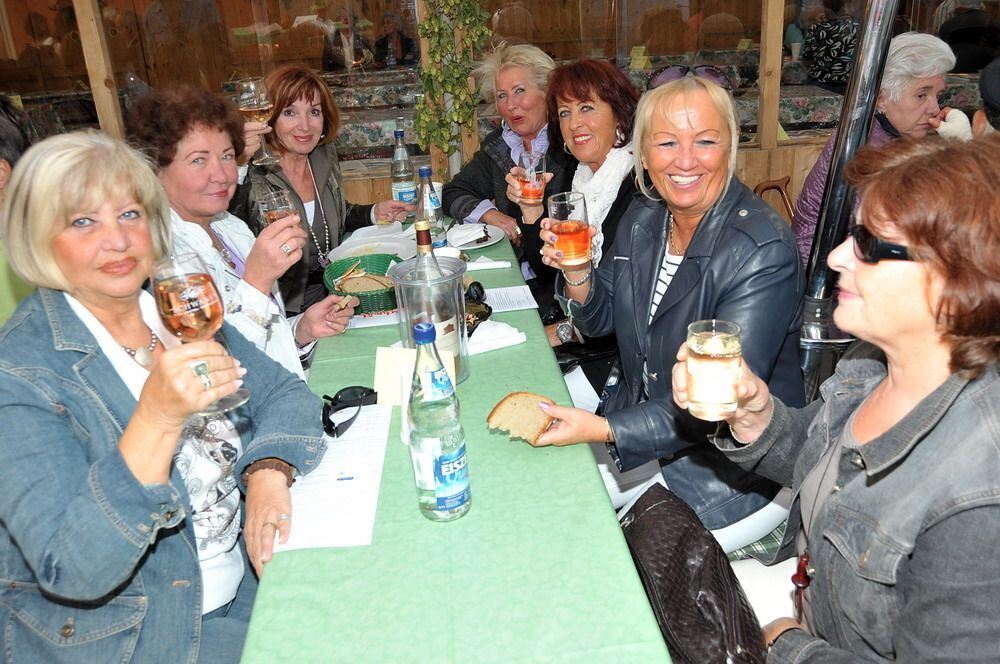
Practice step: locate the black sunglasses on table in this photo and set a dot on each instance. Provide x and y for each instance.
(355, 397)
(677, 72)
(870, 249)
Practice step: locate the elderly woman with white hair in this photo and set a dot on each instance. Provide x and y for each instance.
(699, 245)
(515, 77)
(907, 105)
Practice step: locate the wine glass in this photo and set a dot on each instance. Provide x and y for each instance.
(255, 106)
(275, 205)
(191, 309)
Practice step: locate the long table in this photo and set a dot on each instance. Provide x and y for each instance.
(536, 571)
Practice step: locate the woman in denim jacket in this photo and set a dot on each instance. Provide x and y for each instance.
(122, 524)
(897, 485)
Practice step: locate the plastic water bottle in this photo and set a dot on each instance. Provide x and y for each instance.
(403, 186)
(429, 208)
(437, 440)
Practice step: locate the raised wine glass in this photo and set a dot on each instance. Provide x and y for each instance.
(191, 309)
(255, 106)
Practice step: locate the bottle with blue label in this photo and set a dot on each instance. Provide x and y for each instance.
(437, 440)
(404, 188)
(429, 208)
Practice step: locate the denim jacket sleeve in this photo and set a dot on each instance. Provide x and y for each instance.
(286, 415)
(60, 507)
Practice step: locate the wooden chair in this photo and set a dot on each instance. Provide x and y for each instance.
(781, 186)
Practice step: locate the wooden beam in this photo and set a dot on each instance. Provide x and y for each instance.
(8, 36)
(769, 76)
(99, 68)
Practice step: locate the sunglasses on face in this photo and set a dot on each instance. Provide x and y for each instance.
(870, 249)
(350, 397)
(677, 72)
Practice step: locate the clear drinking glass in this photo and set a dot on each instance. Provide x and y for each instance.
(713, 368)
(190, 307)
(533, 180)
(568, 212)
(255, 106)
(275, 205)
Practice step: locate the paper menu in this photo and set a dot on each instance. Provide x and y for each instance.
(335, 504)
(511, 298)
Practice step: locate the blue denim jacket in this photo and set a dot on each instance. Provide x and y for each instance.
(94, 566)
(905, 548)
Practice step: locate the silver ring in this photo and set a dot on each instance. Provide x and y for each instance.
(206, 382)
(517, 230)
(283, 517)
(285, 247)
(200, 368)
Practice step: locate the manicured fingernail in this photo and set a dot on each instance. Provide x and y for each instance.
(241, 371)
(238, 383)
(544, 406)
(237, 362)
(559, 254)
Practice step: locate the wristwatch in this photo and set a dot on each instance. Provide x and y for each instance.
(564, 331)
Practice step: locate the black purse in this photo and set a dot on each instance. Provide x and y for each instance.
(698, 602)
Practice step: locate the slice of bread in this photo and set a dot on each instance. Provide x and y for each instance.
(518, 415)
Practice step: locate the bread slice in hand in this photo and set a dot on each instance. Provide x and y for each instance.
(518, 415)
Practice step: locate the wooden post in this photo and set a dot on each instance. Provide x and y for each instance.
(99, 68)
(439, 158)
(771, 38)
(8, 37)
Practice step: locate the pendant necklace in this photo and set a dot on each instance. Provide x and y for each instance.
(322, 258)
(144, 355)
(223, 251)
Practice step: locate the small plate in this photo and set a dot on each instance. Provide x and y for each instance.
(359, 247)
(495, 234)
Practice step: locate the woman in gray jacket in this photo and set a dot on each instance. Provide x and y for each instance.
(897, 483)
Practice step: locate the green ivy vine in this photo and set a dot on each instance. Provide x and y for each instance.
(455, 30)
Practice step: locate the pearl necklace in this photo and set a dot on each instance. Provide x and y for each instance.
(144, 356)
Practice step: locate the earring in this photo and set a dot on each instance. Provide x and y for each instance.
(619, 136)
(566, 149)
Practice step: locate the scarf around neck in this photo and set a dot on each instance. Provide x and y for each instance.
(600, 189)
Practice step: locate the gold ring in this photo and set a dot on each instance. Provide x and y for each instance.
(270, 523)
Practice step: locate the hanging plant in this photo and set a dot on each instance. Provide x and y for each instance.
(454, 29)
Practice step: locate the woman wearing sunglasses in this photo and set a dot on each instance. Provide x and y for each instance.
(896, 468)
(698, 245)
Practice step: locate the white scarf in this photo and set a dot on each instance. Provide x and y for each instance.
(600, 190)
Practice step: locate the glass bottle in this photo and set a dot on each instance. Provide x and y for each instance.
(404, 188)
(429, 208)
(437, 439)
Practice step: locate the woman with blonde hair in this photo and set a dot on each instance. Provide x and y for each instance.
(127, 518)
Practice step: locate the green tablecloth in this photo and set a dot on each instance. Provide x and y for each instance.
(536, 571)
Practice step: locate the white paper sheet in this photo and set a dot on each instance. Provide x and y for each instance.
(373, 320)
(335, 504)
(510, 298)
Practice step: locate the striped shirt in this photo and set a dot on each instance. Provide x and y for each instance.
(668, 268)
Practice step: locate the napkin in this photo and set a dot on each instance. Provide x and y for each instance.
(484, 263)
(465, 234)
(492, 335)
(378, 231)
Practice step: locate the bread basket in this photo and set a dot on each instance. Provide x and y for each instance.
(376, 301)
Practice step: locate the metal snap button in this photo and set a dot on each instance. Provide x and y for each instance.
(67, 630)
(743, 213)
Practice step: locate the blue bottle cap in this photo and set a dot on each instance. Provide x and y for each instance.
(398, 133)
(425, 170)
(424, 333)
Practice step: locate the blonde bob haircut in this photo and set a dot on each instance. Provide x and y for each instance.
(656, 101)
(63, 175)
(507, 55)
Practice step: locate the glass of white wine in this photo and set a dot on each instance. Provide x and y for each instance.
(713, 368)
(191, 309)
(255, 106)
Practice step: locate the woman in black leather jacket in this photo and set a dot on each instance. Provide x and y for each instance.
(730, 257)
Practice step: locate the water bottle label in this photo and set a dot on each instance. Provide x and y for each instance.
(407, 193)
(432, 195)
(451, 479)
(440, 241)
